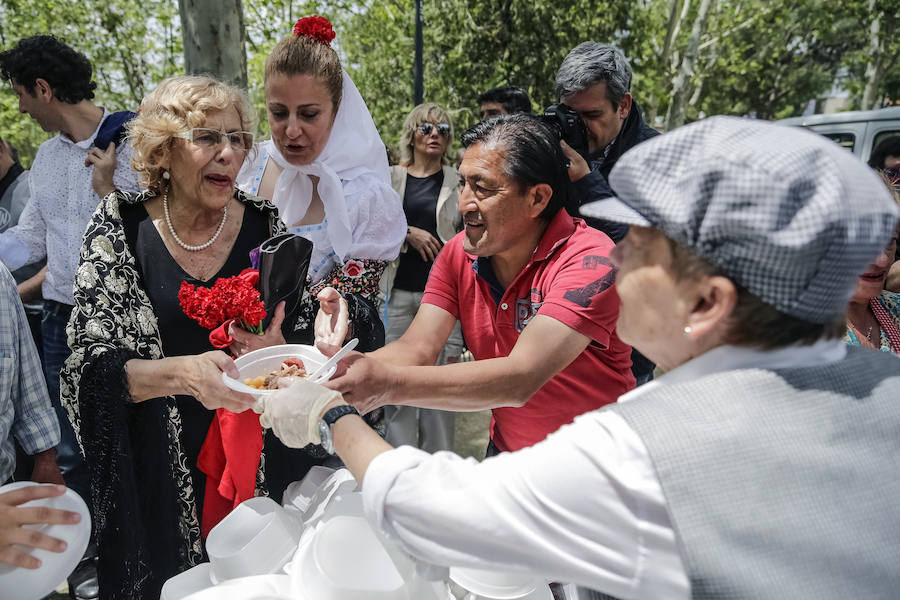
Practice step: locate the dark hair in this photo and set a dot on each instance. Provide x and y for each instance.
(532, 154)
(513, 99)
(885, 148)
(753, 322)
(44, 57)
(304, 55)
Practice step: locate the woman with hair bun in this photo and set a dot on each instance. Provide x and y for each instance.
(326, 170)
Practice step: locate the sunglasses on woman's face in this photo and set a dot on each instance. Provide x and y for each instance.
(443, 129)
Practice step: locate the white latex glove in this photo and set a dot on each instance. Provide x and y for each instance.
(294, 410)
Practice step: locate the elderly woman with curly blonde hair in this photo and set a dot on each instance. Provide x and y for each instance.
(142, 376)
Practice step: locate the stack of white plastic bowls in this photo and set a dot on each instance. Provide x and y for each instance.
(499, 585)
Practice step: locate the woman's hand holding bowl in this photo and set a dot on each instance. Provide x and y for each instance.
(202, 379)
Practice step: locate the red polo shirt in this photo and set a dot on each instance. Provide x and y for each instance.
(569, 278)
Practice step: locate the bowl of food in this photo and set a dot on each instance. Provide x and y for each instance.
(260, 371)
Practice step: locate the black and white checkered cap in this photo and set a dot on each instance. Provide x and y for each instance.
(786, 213)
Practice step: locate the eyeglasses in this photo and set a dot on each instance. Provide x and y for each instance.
(443, 129)
(210, 139)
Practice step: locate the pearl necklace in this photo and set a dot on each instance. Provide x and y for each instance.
(178, 239)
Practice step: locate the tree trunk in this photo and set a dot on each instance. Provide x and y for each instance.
(213, 32)
(682, 84)
(875, 67)
(674, 23)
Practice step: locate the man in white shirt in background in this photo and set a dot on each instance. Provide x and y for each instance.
(14, 196)
(763, 464)
(54, 87)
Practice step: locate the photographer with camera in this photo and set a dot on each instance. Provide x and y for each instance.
(532, 288)
(594, 81)
(599, 121)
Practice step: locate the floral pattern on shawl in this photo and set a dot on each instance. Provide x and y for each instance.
(113, 314)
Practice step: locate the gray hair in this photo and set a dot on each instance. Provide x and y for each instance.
(592, 62)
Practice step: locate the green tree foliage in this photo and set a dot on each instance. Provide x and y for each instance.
(768, 59)
(131, 45)
(469, 47)
(762, 57)
(877, 62)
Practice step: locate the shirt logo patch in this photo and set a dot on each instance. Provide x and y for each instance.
(526, 308)
(583, 296)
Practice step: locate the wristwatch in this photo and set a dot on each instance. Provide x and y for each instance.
(327, 422)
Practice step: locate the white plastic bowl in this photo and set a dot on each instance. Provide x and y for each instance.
(256, 538)
(265, 360)
(500, 585)
(184, 584)
(257, 587)
(345, 560)
(31, 584)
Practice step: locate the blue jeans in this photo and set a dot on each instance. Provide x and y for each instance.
(56, 351)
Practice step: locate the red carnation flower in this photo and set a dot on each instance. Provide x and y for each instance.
(229, 298)
(315, 27)
(201, 305)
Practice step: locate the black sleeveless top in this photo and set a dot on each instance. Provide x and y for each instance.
(181, 335)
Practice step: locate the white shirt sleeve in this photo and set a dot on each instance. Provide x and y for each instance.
(126, 178)
(376, 218)
(26, 241)
(583, 506)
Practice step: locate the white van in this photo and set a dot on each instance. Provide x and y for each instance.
(858, 131)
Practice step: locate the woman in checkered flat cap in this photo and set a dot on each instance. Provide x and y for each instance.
(873, 316)
(763, 464)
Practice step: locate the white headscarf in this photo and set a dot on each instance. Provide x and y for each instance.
(354, 147)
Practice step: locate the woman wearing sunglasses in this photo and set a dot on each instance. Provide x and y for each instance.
(429, 187)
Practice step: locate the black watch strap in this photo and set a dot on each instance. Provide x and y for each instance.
(337, 412)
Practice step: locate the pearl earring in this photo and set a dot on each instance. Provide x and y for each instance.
(687, 330)
(165, 175)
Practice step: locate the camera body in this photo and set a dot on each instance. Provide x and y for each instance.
(568, 125)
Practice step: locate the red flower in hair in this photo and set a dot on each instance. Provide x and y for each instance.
(315, 27)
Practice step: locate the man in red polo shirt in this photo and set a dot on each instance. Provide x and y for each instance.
(532, 288)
